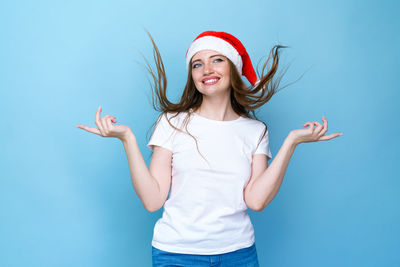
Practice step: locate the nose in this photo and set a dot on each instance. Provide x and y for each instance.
(208, 68)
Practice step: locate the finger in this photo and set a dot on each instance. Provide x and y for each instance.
(97, 117)
(325, 123)
(89, 129)
(311, 128)
(109, 123)
(325, 126)
(319, 125)
(318, 129)
(97, 121)
(329, 137)
(104, 124)
(112, 118)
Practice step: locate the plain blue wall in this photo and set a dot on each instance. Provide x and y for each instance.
(66, 196)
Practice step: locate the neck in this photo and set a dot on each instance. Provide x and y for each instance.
(215, 108)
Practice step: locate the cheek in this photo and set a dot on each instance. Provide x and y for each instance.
(195, 76)
(226, 73)
(225, 70)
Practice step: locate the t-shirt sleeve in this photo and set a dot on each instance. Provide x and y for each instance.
(162, 134)
(263, 147)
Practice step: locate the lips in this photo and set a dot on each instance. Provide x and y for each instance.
(210, 80)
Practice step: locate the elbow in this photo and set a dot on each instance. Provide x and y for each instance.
(152, 207)
(256, 206)
(260, 205)
(151, 204)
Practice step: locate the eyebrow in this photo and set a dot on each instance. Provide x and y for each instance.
(216, 55)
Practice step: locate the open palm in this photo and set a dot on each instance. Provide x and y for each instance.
(105, 126)
(315, 132)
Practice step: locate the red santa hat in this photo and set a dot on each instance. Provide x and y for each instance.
(229, 46)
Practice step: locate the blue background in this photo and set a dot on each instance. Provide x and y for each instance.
(66, 197)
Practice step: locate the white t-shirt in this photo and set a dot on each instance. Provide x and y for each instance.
(205, 212)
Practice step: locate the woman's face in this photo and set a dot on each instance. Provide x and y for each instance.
(211, 72)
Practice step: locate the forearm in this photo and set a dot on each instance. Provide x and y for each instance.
(266, 186)
(146, 187)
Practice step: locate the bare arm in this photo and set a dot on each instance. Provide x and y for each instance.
(151, 192)
(151, 185)
(262, 188)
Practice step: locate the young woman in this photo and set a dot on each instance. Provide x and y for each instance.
(209, 155)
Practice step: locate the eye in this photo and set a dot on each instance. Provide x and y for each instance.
(218, 59)
(196, 65)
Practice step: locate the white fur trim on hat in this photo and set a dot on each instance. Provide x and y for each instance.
(216, 44)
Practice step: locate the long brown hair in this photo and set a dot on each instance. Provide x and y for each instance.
(244, 99)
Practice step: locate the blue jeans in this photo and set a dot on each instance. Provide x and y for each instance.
(245, 257)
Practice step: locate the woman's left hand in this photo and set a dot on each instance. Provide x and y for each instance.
(312, 134)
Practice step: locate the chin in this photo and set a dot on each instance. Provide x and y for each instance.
(212, 89)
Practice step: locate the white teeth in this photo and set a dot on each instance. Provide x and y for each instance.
(211, 81)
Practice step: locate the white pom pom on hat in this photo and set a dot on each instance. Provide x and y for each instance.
(229, 46)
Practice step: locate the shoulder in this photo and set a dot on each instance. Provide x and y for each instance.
(253, 124)
(174, 118)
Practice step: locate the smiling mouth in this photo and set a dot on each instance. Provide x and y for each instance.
(211, 81)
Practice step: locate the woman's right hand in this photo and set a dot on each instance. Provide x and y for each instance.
(106, 128)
